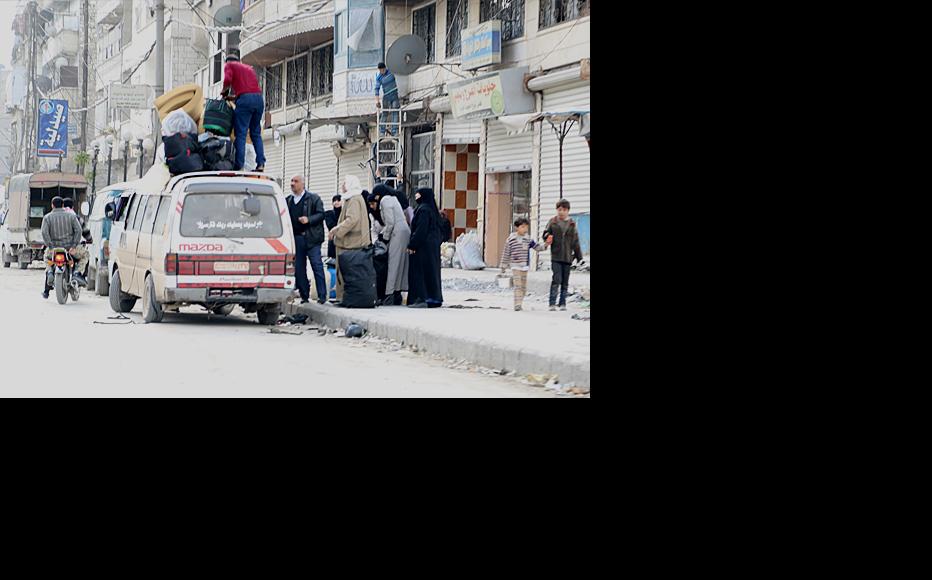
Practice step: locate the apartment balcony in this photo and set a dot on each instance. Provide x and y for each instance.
(110, 12)
(64, 44)
(311, 25)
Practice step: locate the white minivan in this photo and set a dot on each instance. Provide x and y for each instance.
(212, 239)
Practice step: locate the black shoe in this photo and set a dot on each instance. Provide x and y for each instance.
(322, 301)
(388, 301)
(418, 305)
(304, 301)
(399, 299)
(45, 294)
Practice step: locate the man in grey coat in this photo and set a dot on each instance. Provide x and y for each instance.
(396, 234)
(62, 229)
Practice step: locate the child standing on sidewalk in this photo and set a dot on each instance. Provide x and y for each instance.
(517, 254)
(562, 235)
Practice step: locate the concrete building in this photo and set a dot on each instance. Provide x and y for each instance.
(7, 139)
(57, 30)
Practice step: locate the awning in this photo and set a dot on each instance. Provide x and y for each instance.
(516, 124)
(300, 25)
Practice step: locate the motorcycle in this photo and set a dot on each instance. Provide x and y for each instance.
(60, 276)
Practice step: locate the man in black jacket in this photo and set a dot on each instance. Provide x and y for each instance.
(332, 217)
(307, 220)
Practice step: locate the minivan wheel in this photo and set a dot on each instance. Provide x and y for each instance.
(91, 279)
(119, 301)
(151, 309)
(268, 315)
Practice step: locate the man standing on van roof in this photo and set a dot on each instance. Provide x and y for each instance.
(241, 79)
(61, 229)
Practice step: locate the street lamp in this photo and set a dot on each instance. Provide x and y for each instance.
(94, 168)
(147, 146)
(110, 141)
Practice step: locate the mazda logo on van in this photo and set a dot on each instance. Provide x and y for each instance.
(200, 248)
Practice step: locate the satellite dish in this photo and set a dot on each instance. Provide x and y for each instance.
(44, 83)
(228, 16)
(406, 55)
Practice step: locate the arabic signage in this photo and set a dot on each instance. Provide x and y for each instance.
(53, 128)
(361, 84)
(129, 96)
(482, 45)
(478, 98)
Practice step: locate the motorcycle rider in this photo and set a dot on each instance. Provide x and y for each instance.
(61, 229)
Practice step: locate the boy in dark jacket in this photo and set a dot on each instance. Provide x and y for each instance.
(562, 238)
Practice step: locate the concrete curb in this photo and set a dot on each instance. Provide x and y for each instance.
(487, 353)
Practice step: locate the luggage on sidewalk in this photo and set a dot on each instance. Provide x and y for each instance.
(218, 117)
(359, 278)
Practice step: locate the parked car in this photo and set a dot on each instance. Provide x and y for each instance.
(100, 226)
(212, 239)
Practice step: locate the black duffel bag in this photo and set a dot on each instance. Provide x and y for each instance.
(359, 280)
(218, 154)
(182, 154)
(218, 117)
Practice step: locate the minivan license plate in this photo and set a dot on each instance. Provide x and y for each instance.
(231, 267)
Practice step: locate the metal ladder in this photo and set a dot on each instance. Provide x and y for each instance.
(389, 149)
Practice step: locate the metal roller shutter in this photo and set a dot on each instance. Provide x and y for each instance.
(457, 131)
(505, 153)
(274, 155)
(295, 163)
(349, 165)
(322, 169)
(576, 176)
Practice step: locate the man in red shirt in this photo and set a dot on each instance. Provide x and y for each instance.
(242, 81)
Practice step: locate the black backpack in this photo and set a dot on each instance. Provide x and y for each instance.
(218, 154)
(218, 117)
(182, 154)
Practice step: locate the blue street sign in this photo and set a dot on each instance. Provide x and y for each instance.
(53, 128)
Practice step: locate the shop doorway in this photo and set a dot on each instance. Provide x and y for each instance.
(507, 198)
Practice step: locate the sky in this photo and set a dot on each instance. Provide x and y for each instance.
(7, 11)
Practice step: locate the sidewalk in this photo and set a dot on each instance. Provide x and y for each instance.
(486, 331)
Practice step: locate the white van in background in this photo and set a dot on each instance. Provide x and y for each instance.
(217, 240)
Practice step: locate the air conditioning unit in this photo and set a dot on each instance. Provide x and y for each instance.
(355, 132)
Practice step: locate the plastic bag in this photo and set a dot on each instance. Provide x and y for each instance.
(178, 122)
(469, 252)
(250, 164)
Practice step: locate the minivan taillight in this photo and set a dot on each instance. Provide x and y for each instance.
(289, 265)
(171, 264)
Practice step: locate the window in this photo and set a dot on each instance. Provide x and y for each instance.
(273, 87)
(297, 80)
(125, 209)
(553, 12)
(425, 21)
(162, 217)
(422, 160)
(220, 215)
(457, 17)
(510, 12)
(338, 31)
(149, 220)
(138, 213)
(322, 63)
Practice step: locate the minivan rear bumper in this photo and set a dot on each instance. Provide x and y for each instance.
(203, 296)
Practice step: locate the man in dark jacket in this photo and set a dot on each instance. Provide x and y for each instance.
(332, 217)
(307, 220)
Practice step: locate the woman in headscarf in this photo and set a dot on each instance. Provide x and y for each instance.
(397, 235)
(424, 248)
(352, 231)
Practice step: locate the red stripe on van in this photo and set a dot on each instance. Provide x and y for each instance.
(277, 246)
(226, 285)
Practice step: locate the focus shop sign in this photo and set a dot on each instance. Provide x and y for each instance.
(491, 95)
(53, 128)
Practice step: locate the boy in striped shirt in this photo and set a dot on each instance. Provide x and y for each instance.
(517, 254)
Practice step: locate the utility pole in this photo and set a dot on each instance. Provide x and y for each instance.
(87, 42)
(31, 117)
(159, 62)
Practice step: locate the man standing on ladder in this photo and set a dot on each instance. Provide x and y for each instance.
(385, 80)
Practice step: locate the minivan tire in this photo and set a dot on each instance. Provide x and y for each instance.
(119, 302)
(268, 315)
(151, 310)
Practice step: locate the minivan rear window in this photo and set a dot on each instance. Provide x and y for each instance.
(221, 215)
